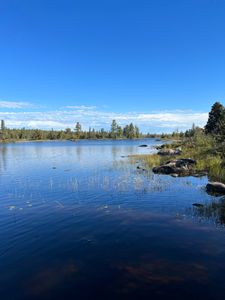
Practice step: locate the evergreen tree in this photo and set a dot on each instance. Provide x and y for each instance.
(119, 131)
(78, 130)
(215, 120)
(137, 132)
(131, 134)
(89, 133)
(126, 131)
(114, 127)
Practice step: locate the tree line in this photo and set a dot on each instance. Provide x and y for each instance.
(116, 131)
(215, 128)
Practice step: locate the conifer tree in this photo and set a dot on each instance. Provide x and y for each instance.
(78, 129)
(114, 129)
(215, 120)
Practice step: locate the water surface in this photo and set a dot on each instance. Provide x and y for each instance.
(78, 220)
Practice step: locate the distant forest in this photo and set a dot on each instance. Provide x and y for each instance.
(116, 131)
(215, 127)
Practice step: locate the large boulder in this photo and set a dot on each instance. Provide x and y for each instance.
(183, 166)
(215, 187)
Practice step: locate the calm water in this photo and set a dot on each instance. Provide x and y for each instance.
(79, 221)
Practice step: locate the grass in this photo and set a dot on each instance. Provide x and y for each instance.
(204, 149)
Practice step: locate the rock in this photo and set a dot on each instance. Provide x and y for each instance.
(183, 166)
(215, 187)
(164, 169)
(143, 146)
(198, 204)
(182, 162)
(159, 147)
(175, 175)
(200, 174)
(168, 152)
(141, 168)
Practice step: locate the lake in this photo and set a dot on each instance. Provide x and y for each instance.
(78, 220)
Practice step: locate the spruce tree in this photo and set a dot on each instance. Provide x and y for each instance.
(78, 129)
(215, 120)
(114, 127)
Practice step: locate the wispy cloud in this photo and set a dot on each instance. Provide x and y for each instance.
(164, 121)
(80, 107)
(14, 104)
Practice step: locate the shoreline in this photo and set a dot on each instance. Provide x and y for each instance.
(75, 140)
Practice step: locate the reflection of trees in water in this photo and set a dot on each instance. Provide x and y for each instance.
(3, 160)
(117, 151)
(215, 210)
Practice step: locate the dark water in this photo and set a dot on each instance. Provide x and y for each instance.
(78, 221)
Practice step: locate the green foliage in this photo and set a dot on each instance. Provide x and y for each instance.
(204, 148)
(78, 130)
(195, 130)
(216, 119)
(116, 131)
(151, 160)
(129, 131)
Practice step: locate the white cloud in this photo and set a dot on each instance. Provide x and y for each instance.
(14, 105)
(80, 107)
(163, 121)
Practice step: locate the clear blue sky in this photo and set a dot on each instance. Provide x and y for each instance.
(120, 56)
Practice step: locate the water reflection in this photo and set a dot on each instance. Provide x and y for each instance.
(3, 159)
(78, 221)
(214, 211)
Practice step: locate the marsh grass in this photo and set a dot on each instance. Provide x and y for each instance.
(150, 160)
(203, 148)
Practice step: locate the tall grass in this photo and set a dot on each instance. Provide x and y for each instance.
(203, 148)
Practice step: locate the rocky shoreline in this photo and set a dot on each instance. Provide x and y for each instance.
(181, 167)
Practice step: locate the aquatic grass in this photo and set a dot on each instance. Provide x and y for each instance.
(200, 147)
(214, 211)
(204, 150)
(150, 160)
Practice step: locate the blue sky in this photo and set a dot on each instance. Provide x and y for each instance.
(158, 63)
